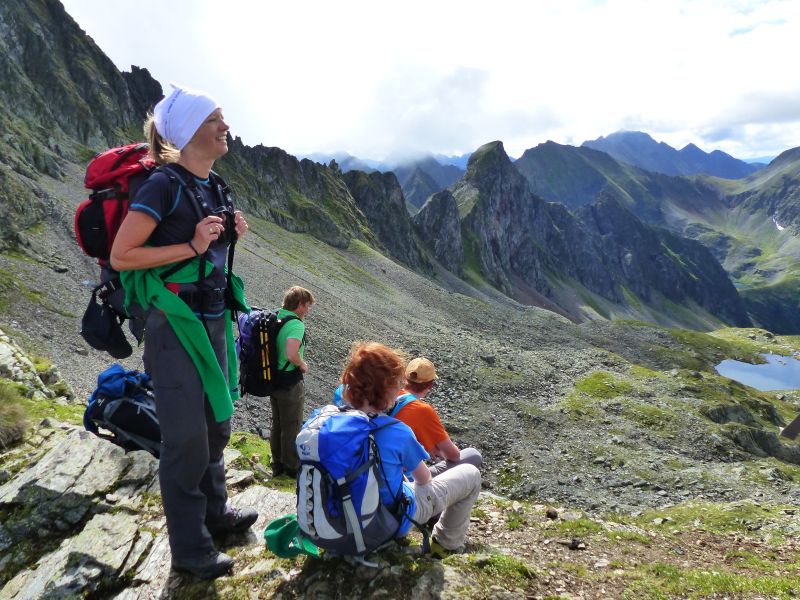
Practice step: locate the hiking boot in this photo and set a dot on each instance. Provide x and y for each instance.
(234, 520)
(439, 552)
(210, 566)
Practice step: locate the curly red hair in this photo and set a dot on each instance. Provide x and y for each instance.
(372, 370)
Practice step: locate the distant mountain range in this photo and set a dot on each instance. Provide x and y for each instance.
(639, 149)
(420, 178)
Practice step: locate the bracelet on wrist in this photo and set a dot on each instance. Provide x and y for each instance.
(196, 253)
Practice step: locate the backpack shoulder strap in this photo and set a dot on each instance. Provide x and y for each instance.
(176, 177)
(281, 323)
(401, 402)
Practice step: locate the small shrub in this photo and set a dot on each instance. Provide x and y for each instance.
(13, 419)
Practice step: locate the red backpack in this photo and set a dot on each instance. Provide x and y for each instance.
(112, 176)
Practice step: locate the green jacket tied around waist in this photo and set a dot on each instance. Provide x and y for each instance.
(146, 288)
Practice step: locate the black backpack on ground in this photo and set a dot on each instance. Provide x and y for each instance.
(259, 371)
(122, 410)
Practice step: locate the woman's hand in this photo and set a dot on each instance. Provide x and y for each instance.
(207, 231)
(241, 224)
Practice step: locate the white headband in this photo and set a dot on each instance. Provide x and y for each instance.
(180, 114)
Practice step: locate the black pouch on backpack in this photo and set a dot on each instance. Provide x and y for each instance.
(131, 420)
(101, 327)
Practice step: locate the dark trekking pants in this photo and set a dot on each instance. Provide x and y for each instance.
(191, 469)
(287, 418)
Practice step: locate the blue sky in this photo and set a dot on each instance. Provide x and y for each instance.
(380, 79)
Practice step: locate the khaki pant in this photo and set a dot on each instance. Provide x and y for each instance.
(469, 456)
(453, 493)
(287, 418)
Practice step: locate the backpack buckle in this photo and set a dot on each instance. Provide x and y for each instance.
(107, 194)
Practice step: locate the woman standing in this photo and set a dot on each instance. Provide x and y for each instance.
(172, 250)
(372, 378)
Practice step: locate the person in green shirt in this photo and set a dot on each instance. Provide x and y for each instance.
(287, 401)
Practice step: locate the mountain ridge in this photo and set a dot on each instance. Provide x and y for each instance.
(640, 149)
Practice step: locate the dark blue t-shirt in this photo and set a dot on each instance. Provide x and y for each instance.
(170, 204)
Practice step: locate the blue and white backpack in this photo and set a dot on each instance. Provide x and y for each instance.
(338, 485)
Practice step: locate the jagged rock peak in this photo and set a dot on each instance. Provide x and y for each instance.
(489, 157)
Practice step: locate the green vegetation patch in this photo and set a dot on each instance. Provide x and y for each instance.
(651, 416)
(665, 581)
(579, 528)
(716, 518)
(495, 569)
(473, 266)
(602, 384)
(640, 372)
(580, 407)
(709, 350)
(762, 341)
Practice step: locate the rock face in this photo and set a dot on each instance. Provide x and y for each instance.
(650, 261)
(298, 195)
(439, 225)
(61, 100)
(775, 191)
(521, 242)
(380, 198)
(80, 519)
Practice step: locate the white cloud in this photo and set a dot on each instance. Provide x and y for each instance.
(379, 78)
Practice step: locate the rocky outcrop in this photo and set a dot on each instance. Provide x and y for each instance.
(651, 261)
(84, 518)
(524, 244)
(380, 198)
(144, 90)
(56, 75)
(438, 224)
(298, 195)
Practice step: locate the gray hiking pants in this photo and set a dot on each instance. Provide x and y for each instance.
(453, 493)
(191, 470)
(287, 418)
(469, 456)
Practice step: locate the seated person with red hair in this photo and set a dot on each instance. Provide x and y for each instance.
(372, 379)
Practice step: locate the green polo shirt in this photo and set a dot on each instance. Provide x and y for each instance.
(294, 329)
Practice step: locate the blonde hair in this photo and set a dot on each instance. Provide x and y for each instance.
(295, 296)
(161, 150)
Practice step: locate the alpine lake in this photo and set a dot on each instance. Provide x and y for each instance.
(778, 373)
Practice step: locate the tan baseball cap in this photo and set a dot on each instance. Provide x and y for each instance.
(420, 370)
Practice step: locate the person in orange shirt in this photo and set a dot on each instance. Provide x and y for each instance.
(422, 418)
